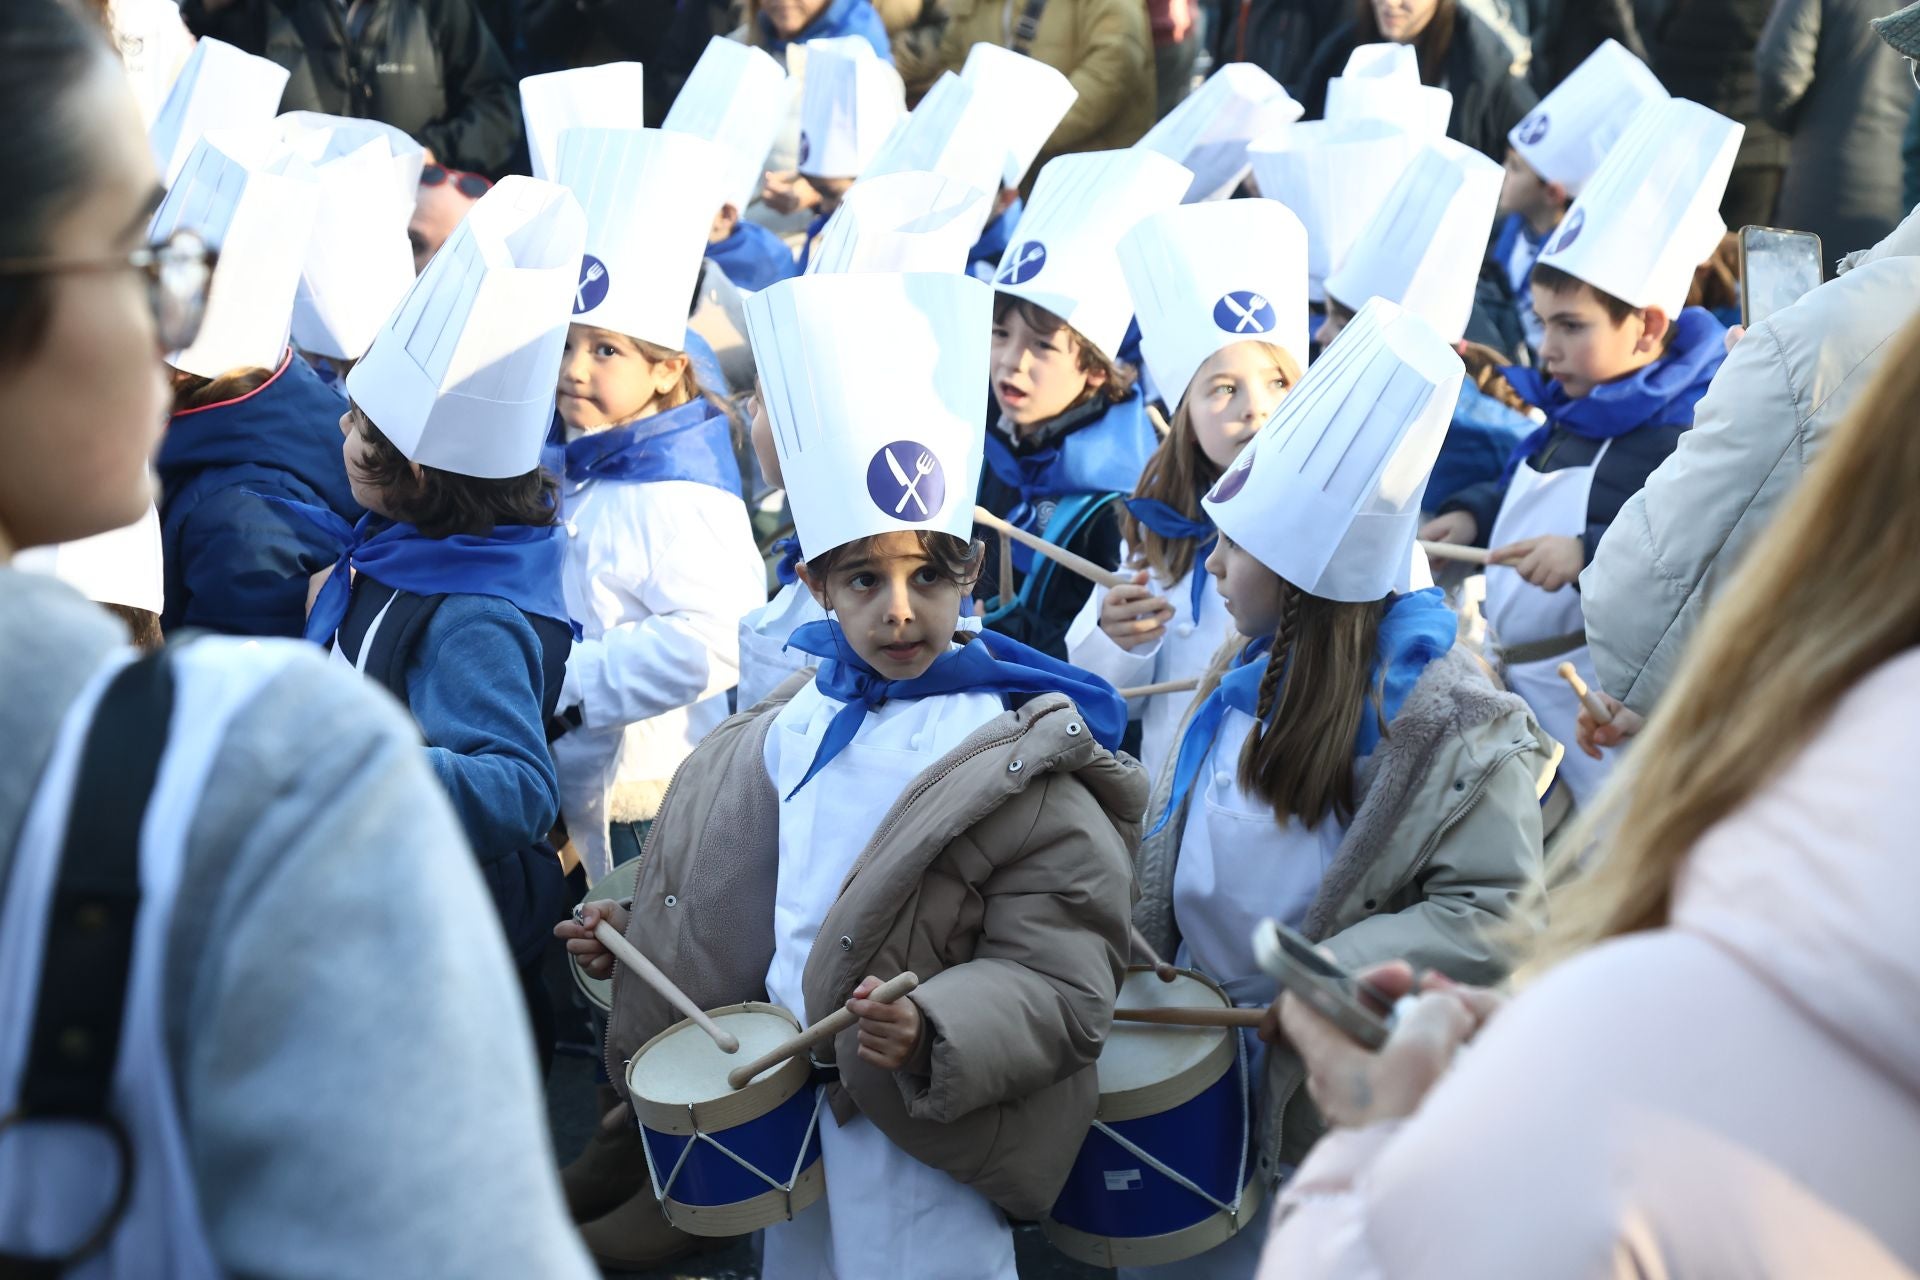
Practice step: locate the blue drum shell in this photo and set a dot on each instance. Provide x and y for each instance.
(709, 1179)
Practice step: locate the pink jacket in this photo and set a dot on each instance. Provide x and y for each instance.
(1735, 1095)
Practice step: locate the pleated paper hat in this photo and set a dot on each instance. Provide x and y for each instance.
(737, 96)
(873, 385)
(321, 138)
(1210, 130)
(1328, 494)
(1334, 175)
(955, 133)
(901, 222)
(1030, 100)
(649, 196)
(1566, 136)
(850, 103)
(1063, 254)
(220, 87)
(1652, 212)
(609, 96)
(1382, 82)
(254, 200)
(462, 376)
(1205, 276)
(1423, 248)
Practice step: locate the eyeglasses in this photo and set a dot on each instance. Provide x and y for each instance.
(470, 185)
(178, 272)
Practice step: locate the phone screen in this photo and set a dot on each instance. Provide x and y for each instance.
(1778, 268)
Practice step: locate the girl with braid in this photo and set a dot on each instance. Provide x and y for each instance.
(1345, 769)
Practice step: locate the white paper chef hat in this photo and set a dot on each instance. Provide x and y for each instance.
(737, 96)
(1063, 252)
(320, 138)
(1205, 276)
(850, 102)
(1424, 246)
(649, 197)
(221, 87)
(1210, 130)
(122, 566)
(609, 96)
(1566, 136)
(955, 133)
(884, 433)
(254, 200)
(1382, 82)
(1652, 212)
(462, 376)
(901, 222)
(1029, 99)
(1334, 175)
(1328, 494)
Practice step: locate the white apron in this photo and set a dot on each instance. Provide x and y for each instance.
(885, 1213)
(52, 1187)
(1537, 503)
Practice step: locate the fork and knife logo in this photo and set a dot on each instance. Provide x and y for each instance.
(592, 289)
(1024, 263)
(918, 487)
(1244, 311)
(922, 468)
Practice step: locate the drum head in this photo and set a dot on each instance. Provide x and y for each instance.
(678, 1079)
(617, 884)
(1138, 1054)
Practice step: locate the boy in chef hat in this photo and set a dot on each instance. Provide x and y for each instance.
(1220, 290)
(1622, 367)
(449, 593)
(1552, 153)
(1026, 100)
(849, 106)
(1210, 130)
(1068, 431)
(1289, 791)
(865, 823)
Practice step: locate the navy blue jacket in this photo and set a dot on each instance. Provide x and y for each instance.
(234, 563)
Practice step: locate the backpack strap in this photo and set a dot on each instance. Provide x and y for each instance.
(406, 622)
(1071, 515)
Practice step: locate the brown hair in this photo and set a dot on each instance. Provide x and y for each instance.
(191, 391)
(952, 557)
(1716, 282)
(442, 504)
(1177, 474)
(1432, 44)
(1825, 597)
(1088, 358)
(1299, 757)
(1554, 280)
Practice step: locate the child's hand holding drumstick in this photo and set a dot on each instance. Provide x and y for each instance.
(889, 1033)
(588, 951)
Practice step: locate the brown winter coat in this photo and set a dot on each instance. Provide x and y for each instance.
(1002, 877)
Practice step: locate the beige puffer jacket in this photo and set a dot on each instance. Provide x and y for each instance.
(1444, 846)
(1002, 877)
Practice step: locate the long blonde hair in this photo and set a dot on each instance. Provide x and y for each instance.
(1828, 594)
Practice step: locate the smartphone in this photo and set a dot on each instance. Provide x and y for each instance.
(1777, 269)
(1329, 990)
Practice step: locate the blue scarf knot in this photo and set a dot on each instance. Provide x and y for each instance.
(693, 441)
(785, 566)
(1169, 523)
(1103, 455)
(992, 663)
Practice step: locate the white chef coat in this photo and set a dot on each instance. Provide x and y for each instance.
(765, 661)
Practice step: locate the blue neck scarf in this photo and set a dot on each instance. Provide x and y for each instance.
(787, 551)
(1104, 455)
(990, 664)
(992, 245)
(1416, 629)
(814, 228)
(692, 442)
(520, 564)
(1169, 523)
(1663, 393)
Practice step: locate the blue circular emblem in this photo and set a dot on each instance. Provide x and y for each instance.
(591, 291)
(1244, 311)
(1533, 129)
(1023, 263)
(1571, 232)
(906, 481)
(1235, 480)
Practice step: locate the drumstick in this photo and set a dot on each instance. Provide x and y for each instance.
(1595, 705)
(1165, 686)
(1193, 1017)
(628, 955)
(825, 1029)
(1454, 551)
(1006, 572)
(1059, 555)
(1161, 969)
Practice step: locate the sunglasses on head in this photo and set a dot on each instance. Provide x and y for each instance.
(471, 185)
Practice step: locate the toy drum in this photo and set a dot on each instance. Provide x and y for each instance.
(617, 884)
(1163, 1173)
(728, 1161)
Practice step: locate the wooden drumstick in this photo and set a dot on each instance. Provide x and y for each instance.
(1454, 551)
(1141, 947)
(627, 954)
(1059, 555)
(1165, 686)
(1198, 1017)
(1596, 705)
(1006, 572)
(825, 1029)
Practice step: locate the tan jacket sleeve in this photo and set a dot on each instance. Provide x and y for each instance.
(1116, 65)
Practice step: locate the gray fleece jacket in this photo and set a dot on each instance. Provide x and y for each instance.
(355, 1070)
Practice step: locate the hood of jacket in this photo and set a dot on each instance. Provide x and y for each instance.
(291, 422)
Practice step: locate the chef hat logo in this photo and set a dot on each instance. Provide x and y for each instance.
(591, 290)
(1245, 312)
(906, 481)
(1533, 130)
(1229, 485)
(1024, 264)
(1575, 225)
